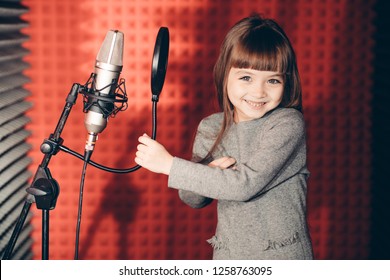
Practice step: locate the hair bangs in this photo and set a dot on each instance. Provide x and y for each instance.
(255, 52)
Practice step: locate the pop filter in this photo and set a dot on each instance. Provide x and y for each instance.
(159, 62)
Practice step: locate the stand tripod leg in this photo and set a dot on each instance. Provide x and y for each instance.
(44, 190)
(17, 229)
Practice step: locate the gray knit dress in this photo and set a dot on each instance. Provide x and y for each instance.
(262, 201)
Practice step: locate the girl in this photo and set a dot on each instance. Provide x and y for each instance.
(252, 156)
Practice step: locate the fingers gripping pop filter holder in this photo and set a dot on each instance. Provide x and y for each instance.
(159, 62)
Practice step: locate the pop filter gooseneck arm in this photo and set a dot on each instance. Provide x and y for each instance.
(159, 69)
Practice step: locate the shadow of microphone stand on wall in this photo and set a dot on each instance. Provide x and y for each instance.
(122, 200)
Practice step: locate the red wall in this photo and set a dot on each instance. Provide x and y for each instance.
(135, 216)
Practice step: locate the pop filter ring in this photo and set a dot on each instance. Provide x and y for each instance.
(159, 62)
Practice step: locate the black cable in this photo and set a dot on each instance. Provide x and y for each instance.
(86, 159)
(78, 225)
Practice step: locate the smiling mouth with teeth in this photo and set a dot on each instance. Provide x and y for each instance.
(255, 104)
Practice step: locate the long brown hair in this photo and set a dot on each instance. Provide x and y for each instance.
(259, 44)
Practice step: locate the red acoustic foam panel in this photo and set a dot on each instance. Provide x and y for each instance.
(135, 215)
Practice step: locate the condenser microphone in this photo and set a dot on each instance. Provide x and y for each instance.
(100, 102)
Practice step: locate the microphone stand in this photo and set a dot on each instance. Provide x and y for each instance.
(44, 189)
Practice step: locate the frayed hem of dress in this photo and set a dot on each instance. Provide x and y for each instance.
(217, 243)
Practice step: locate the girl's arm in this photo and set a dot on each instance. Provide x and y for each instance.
(280, 156)
(162, 163)
(198, 201)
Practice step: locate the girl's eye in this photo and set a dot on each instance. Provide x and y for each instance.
(274, 81)
(245, 78)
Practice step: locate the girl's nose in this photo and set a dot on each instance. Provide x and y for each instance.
(259, 91)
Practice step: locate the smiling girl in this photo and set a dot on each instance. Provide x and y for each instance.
(251, 157)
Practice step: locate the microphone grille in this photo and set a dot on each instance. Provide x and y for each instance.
(111, 51)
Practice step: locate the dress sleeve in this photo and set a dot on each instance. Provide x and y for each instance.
(280, 155)
(199, 151)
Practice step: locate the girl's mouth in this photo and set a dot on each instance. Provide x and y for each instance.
(255, 104)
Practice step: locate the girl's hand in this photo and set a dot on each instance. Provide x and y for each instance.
(223, 163)
(153, 156)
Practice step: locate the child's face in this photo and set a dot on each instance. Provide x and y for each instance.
(253, 93)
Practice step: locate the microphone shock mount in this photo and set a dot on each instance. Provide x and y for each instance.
(109, 104)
